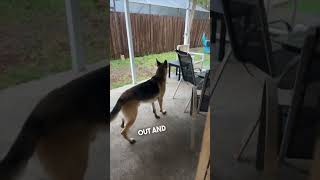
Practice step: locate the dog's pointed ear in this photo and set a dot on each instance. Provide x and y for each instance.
(165, 62)
(158, 63)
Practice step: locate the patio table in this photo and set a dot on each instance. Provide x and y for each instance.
(176, 64)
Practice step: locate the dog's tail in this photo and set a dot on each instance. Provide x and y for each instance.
(117, 108)
(20, 152)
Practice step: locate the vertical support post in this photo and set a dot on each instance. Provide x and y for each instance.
(130, 43)
(186, 25)
(271, 165)
(76, 43)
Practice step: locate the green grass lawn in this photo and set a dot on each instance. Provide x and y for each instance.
(145, 67)
(34, 38)
(311, 6)
(34, 41)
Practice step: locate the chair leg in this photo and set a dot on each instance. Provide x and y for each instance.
(175, 91)
(271, 163)
(246, 140)
(187, 105)
(192, 138)
(193, 118)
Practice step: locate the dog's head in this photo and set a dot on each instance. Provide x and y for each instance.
(162, 68)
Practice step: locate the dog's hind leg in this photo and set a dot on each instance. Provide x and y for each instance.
(130, 111)
(160, 101)
(154, 111)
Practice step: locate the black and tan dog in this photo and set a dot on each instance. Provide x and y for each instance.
(148, 91)
(60, 129)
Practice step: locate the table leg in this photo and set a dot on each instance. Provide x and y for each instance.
(169, 70)
(262, 133)
(179, 73)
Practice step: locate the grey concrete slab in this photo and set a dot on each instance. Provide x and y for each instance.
(236, 105)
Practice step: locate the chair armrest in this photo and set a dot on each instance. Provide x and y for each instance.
(200, 70)
(199, 54)
(288, 26)
(287, 68)
(195, 53)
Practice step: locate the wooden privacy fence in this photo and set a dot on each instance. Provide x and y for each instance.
(152, 33)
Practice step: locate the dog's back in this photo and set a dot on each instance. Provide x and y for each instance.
(143, 92)
(130, 100)
(55, 125)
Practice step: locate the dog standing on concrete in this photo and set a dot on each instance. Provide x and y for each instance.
(60, 128)
(148, 91)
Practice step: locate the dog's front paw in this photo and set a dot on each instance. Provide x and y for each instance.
(132, 141)
(158, 117)
(164, 112)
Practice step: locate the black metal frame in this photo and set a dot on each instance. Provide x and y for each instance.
(216, 14)
(185, 54)
(259, 7)
(199, 99)
(268, 138)
(302, 81)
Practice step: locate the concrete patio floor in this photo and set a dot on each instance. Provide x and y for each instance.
(15, 105)
(165, 155)
(235, 106)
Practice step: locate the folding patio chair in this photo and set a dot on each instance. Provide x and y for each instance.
(199, 103)
(197, 64)
(188, 74)
(300, 127)
(247, 27)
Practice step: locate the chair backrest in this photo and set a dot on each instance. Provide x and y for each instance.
(248, 32)
(183, 47)
(205, 96)
(304, 114)
(186, 66)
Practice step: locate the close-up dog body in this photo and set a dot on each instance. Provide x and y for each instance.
(60, 128)
(147, 92)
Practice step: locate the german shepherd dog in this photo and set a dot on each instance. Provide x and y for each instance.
(148, 91)
(60, 128)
